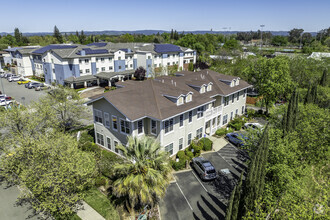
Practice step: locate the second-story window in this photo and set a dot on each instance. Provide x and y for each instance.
(237, 96)
(226, 100)
(87, 70)
(98, 116)
(140, 126)
(233, 98)
(190, 116)
(200, 112)
(103, 68)
(181, 120)
(124, 126)
(86, 60)
(244, 92)
(168, 125)
(114, 123)
(102, 59)
(106, 120)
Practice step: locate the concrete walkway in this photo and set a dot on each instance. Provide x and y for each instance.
(218, 143)
(88, 213)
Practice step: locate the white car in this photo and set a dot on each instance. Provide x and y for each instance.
(3, 102)
(252, 125)
(14, 79)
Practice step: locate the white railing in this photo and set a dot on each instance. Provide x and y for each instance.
(213, 112)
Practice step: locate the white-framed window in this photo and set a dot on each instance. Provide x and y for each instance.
(244, 93)
(99, 139)
(97, 59)
(209, 87)
(181, 120)
(169, 148)
(242, 109)
(106, 120)
(189, 138)
(80, 61)
(86, 60)
(110, 67)
(115, 144)
(80, 71)
(124, 126)
(226, 100)
(180, 101)
(199, 133)
(127, 66)
(103, 69)
(119, 58)
(225, 119)
(202, 90)
(98, 116)
(97, 69)
(110, 59)
(188, 98)
(87, 71)
(149, 57)
(231, 115)
(190, 113)
(114, 123)
(153, 127)
(108, 143)
(180, 143)
(119, 67)
(218, 120)
(236, 112)
(200, 112)
(140, 126)
(237, 96)
(168, 125)
(102, 59)
(232, 98)
(131, 65)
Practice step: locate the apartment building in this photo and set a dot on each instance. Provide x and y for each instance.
(82, 63)
(20, 59)
(174, 110)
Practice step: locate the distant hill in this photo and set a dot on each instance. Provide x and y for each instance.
(146, 32)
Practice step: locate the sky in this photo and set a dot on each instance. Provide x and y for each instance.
(181, 15)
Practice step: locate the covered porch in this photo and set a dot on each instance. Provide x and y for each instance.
(81, 82)
(110, 78)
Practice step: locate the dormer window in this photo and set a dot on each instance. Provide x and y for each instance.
(188, 98)
(202, 90)
(209, 87)
(180, 100)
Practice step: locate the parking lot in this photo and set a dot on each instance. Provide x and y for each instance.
(19, 92)
(190, 198)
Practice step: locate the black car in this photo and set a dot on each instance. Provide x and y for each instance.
(204, 168)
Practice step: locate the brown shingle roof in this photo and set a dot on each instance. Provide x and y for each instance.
(138, 99)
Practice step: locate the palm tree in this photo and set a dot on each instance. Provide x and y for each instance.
(144, 178)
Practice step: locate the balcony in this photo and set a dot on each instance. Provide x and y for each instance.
(213, 112)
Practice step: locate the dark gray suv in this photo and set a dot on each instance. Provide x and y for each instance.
(204, 168)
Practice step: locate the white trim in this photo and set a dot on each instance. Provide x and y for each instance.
(182, 121)
(172, 147)
(151, 127)
(105, 122)
(182, 143)
(106, 138)
(190, 139)
(114, 116)
(137, 127)
(129, 127)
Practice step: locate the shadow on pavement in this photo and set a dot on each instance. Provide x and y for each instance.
(212, 208)
(204, 213)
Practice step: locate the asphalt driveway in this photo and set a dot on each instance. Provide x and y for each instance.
(190, 198)
(19, 92)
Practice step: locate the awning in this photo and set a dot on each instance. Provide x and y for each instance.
(80, 79)
(109, 75)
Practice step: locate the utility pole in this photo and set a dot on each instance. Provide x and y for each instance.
(262, 25)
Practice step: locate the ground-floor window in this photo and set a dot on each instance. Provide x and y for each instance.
(225, 119)
(236, 113)
(180, 143)
(115, 143)
(189, 138)
(199, 133)
(169, 148)
(109, 143)
(231, 115)
(100, 139)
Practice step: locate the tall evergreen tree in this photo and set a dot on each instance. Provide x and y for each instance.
(230, 204)
(82, 37)
(172, 35)
(58, 35)
(237, 199)
(323, 81)
(291, 113)
(308, 97)
(17, 35)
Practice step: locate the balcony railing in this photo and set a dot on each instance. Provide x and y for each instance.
(213, 112)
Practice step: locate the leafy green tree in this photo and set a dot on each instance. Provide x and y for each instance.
(63, 107)
(142, 180)
(323, 81)
(295, 35)
(140, 73)
(57, 35)
(271, 78)
(231, 44)
(279, 40)
(17, 35)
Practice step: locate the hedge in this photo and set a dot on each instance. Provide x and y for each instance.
(223, 131)
(206, 144)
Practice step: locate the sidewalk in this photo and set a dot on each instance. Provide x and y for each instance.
(218, 143)
(88, 213)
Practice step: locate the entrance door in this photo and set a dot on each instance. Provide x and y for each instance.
(208, 127)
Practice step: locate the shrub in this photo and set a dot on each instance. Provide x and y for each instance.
(100, 181)
(178, 165)
(189, 154)
(197, 149)
(206, 144)
(106, 162)
(106, 87)
(221, 131)
(236, 123)
(181, 154)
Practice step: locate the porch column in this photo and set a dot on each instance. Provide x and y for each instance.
(109, 82)
(71, 85)
(98, 81)
(85, 84)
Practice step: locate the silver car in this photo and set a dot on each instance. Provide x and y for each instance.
(204, 168)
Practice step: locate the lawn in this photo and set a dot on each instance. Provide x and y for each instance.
(101, 204)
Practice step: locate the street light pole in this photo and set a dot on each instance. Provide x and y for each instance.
(262, 25)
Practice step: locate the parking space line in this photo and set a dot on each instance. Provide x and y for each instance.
(184, 196)
(199, 181)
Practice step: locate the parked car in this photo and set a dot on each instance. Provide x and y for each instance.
(4, 96)
(9, 75)
(14, 79)
(236, 138)
(34, 84)
(23, 81)
(204, 168)
(254, 125)
(41, 87)
(4, 102)
(27, 84)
